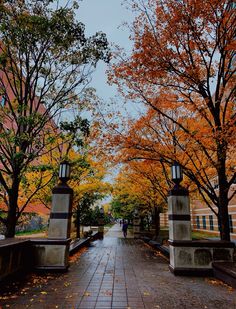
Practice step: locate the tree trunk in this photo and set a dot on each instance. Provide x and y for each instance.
(223, 215)
(11, 220)
(78, 222)
(141, 224)
(224, 219)
(157, 222)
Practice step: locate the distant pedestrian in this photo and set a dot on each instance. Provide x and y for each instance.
(124, 229)
(120, 222)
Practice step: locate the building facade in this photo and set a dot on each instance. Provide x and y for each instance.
(203, 218)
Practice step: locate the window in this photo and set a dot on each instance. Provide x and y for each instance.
(231, 228)
(3, 100)
(233, 5)
(198, 222)
(204, 222)
(211, 223)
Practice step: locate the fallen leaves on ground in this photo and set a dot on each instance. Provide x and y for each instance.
(214, 281)
(15, 289)
(108, 293)
(77, 255)
(25, 285)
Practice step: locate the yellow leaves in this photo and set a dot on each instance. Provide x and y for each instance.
(43, 293)
(219, 283)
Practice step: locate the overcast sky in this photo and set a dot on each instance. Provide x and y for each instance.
(106, 16)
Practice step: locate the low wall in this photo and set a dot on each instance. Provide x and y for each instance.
(50, 254)
(196, 257)
(36, 254)
(15, 256)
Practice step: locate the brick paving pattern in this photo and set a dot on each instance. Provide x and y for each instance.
(122, 273)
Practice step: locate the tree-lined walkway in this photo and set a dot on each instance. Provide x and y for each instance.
(122, 273)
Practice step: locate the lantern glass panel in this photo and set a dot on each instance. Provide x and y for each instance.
(176, 172)
(64, 170)
(68, 171)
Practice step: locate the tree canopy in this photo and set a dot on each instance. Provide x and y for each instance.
(182, 68)
(45, 63)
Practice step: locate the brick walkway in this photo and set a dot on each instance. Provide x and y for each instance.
(121, 273)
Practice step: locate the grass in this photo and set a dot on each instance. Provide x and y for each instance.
(164, 233)
(202, 235)
(29, 232)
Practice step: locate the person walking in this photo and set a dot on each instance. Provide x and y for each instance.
(125, 228)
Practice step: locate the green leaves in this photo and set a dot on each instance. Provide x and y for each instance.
(46, 60)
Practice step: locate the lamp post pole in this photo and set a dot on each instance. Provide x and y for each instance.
(101, 224)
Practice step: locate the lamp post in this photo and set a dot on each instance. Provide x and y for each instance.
(101, 212)
(136, 224)
(101, 223)
(52, 253)
(179, 217)
(60, 217)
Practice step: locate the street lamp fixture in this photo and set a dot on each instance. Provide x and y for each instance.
(176, 173)
(101, 211)
(64, 171)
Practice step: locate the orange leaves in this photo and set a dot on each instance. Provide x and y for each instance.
(75, 257)
(182, 69)
(174, 43)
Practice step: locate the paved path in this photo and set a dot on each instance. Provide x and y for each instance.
(121, 273)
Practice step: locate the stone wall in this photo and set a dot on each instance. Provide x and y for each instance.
(50, 254)
(15, 256)
(196, 257)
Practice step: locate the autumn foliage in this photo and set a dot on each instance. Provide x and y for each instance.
(182, 68)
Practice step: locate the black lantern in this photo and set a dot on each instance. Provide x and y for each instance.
(176, 173)
(64, 171)
(101, 212)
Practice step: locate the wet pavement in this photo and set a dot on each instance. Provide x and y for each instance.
(120, 273)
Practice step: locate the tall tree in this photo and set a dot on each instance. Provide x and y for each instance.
(183, 59)
(45, 62)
